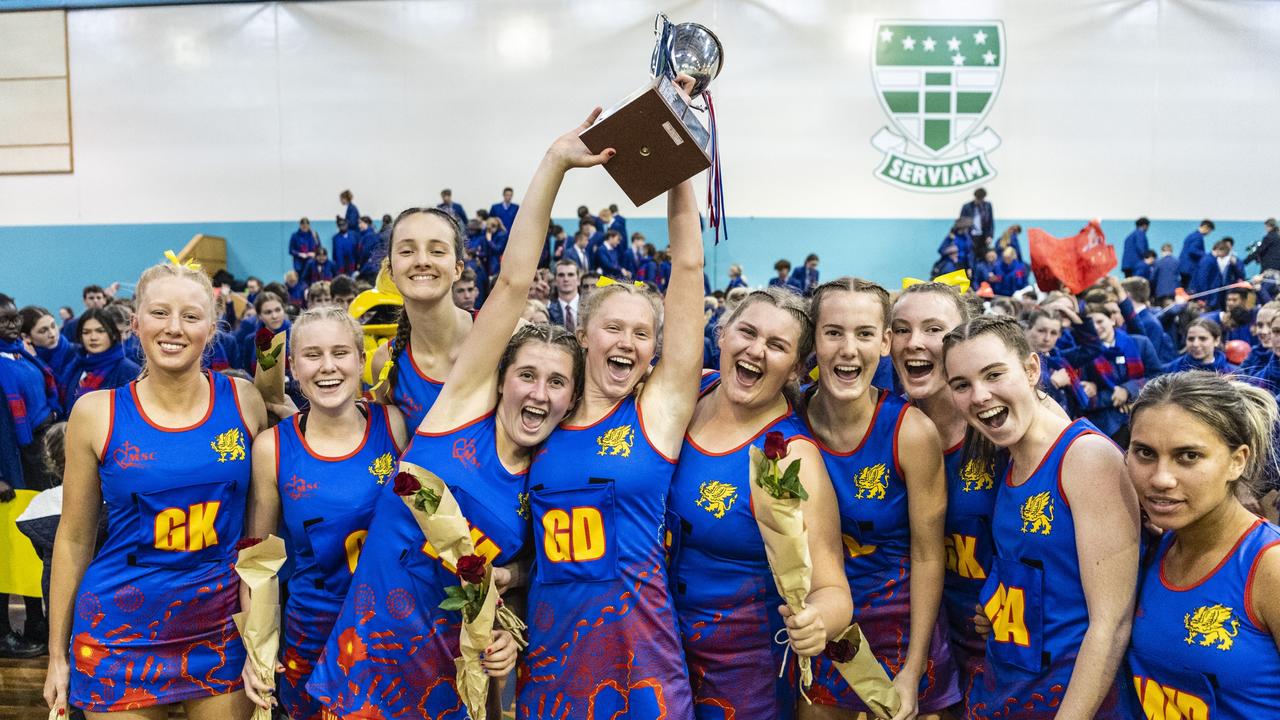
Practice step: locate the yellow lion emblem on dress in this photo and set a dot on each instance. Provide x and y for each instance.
(717, 497)
(616, 441)
(381, 467)
(1037, 514)
(976, 477)
(1210, 623)
(229, 445)
(872, 482)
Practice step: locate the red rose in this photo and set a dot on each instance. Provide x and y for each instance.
(247, 543)
(471, 568)
(263, 338)
(841, 651)
(775, 445)
(406, 484)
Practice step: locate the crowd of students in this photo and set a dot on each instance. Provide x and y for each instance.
(592, 407)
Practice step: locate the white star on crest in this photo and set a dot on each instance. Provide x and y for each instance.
(980, 37)
(929, 44)
(908, 43)
(953, 44)
(886, 35)
(957, 59)
(989, 58)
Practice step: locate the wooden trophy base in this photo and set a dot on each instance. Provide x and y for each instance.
(659, 140)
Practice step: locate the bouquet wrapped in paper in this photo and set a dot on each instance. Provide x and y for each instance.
(259, 624)
(269, 375)
(437, 513)
(775, 501)
(851, 655)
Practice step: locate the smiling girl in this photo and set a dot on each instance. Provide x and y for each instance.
(1202, 352)
(1059, 597)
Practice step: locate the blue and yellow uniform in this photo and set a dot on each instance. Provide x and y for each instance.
(415, 391)
(391, 651)
(1198, 652)
(602, 634)
(876, 533)
(1035, 598)
(327, 504)
(152, 619)
(726, 599)
(971, 499)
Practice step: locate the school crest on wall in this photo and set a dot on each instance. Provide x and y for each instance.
(936, 80)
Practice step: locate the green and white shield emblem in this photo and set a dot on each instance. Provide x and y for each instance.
(936, 80)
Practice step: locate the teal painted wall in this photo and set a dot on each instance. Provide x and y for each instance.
(48, 265)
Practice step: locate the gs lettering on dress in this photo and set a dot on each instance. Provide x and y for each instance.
(229, 446)
(1162, 702)
(187, 529)
(976, 476)
(616, 441)
(573, 535)
(129, 455)
(717, 497)
(872, 482)
(1210, 623)
(381, 467)
(464, 451)
(1037, 514)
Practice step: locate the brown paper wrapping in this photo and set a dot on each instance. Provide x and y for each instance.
(866, 675)
(259, 624)
(450, 534)
(270, 383)
(786, 544)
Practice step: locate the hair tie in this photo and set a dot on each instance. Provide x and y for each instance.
(173, 258)
(606, 281)
(383, 375)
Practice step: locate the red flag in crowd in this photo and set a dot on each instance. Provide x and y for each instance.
(1075, 262)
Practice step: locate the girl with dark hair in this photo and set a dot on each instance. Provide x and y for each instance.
(40, 328)
(732, 619)
(100, 363)
(1203, 349)
(1206, 634)
(892, 506)
(146, 622)
(391, 651)
(425, 259)
(1059, 596)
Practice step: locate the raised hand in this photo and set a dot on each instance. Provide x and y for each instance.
(570, 152)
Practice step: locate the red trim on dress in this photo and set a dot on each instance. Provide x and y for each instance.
(297, 427)
(1248, 585)
(463, 426)
(235, 394)
(752, 439)
(897, 428)
(142, 412)
(645, 433)
(111, 426)
(1009, 476)
(414, 364)
(1168, 584)
(875, 415)
(1062, 493)
(604, 417)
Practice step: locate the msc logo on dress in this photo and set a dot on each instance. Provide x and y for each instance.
(1210, 623)
(717, 497)
(381, 467)
(229, 445)
(616, 441)
(1037, 514)
(976, 476)
(872, 482)
(129, 455)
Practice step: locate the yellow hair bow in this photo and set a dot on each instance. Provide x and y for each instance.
(383, 375)
(173, 258)
(607, 281)
(958, 279)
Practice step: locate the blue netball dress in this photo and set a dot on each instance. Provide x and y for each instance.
(876, 533)
(602, 635)
(1034, 597)
(971, 498)
(414, 392)
(1198, 651)
(327, 503)
(152, 619)
(726, 599)
(391, 651)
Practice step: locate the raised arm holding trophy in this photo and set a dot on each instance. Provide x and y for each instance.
(660, 140)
